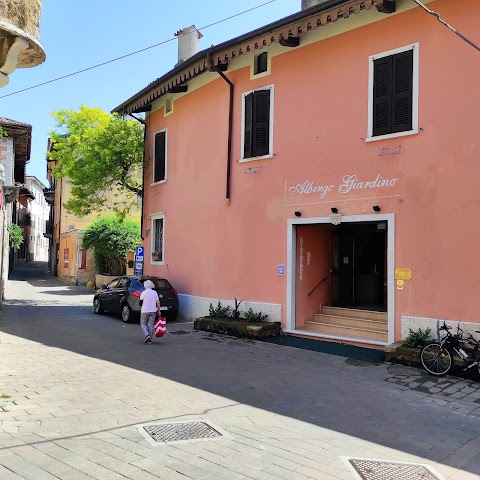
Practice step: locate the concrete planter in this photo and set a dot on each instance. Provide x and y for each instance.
(399, 353)
(237, 328)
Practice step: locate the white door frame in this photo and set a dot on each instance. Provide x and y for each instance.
(291, 270)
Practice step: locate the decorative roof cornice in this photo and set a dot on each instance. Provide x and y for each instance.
(292, 26)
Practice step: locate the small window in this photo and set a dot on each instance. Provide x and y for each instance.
(257, 124)
(82, 261)
(168, 105)
(160, 155)
(158, 240)
(393, 96)
(261, 63)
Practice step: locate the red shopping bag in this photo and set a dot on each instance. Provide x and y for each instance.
(160, 326)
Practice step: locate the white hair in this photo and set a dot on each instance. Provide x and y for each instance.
(148, 284)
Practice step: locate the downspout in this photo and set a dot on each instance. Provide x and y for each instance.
(230, 124)
(143, 169)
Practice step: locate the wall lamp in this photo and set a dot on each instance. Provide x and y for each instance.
(376, 208)
(334, 210)
(298, 214)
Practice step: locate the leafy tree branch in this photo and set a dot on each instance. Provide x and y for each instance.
(101, 154)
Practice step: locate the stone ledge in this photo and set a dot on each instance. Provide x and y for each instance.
(397, 352)
(237, 328)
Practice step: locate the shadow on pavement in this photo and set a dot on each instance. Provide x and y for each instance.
(313, 388)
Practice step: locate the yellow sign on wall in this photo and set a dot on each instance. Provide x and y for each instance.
(403, 274)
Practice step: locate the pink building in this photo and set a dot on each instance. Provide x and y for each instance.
(323, 168)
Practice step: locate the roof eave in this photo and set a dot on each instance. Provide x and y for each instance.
(293, 25)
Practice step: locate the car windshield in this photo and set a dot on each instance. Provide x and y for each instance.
(160, 283)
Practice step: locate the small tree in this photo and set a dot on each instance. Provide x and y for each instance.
(111, 239)
(101, 154)
(15, 237)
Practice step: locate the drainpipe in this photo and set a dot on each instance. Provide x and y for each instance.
(230, 123)
(143, 169)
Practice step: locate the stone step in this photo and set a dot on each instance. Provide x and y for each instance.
(355, 313)
(346, 331)
(380, 325)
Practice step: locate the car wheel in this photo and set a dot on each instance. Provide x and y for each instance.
(172, 316)
(97, 306)
(127, 314)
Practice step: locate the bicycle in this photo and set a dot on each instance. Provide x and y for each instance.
(437, 357)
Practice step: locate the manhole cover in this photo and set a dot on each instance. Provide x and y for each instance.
(174, 432)
(376, 470)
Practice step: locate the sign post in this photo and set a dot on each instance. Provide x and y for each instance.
(139, 258)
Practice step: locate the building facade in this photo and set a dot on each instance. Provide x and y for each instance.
(323, 169)
(38, 214)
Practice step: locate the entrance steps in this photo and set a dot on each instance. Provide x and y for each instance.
(349, 322)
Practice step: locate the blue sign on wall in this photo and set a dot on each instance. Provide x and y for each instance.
(281, 269)
(139, 257)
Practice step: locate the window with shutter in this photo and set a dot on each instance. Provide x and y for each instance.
(394, 93)
(257, 124)
(160, 157)
(158, 237)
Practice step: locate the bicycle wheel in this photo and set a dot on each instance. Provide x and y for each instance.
(436, 359)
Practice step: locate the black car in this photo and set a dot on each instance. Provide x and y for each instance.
(122, 295)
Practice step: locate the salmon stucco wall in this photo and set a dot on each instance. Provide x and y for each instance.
(218, 249)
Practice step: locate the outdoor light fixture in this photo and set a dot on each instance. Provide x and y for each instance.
(334, 210)
(376, 208)
(298, 214)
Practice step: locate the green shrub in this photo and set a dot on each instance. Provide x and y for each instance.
(254, 317)
(417, 338)
(235, 313)
(15, 238)
(219, 311)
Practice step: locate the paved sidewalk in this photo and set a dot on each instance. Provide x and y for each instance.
(75, 386)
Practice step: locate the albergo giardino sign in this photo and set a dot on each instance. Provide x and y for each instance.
(380, 182)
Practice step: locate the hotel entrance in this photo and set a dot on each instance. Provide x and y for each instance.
(341, 278)
(359, 266)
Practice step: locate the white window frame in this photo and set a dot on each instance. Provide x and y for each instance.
(270, 137)
(165, 113)
(415, 79)
(153, 217)
(253, 66)
(166, 156)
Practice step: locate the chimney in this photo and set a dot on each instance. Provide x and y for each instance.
(311, 3)
(187, 43)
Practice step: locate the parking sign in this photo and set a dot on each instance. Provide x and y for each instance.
(139, 257)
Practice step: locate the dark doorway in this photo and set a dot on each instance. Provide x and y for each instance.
(359, 265)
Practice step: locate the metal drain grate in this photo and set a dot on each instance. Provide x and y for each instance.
(180, 332)
(174, 432)
(376, 470)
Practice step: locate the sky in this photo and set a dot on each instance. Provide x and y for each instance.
(79, 34)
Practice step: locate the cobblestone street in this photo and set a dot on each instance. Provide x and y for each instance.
(76, 390)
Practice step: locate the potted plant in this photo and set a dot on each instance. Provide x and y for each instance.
(231, 321)
(156, 256)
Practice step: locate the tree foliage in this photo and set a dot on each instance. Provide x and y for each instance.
(15, 237)
(111, 239)
(101, 154)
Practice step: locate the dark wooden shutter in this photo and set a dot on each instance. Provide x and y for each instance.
(261, 123)
(402, 92)
(160, 154)
(248, 131)
(393, 93)
(382, 96)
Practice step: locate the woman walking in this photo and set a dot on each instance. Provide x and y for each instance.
(150, 306)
